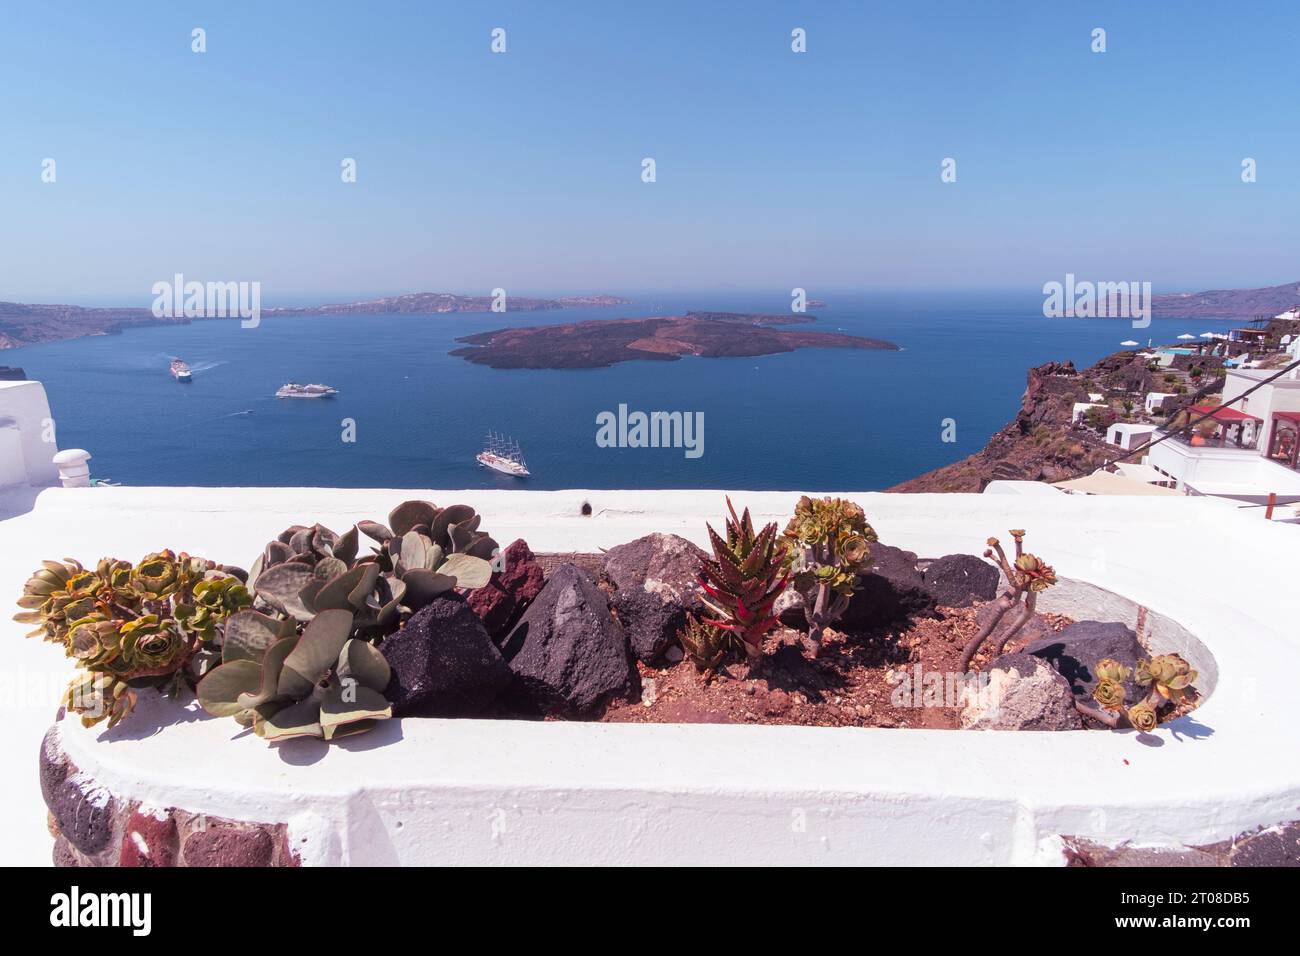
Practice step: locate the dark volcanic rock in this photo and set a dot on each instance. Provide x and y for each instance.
(1276, 846)
(890, 594)
(502, 600)
(53, 765)
(444, 662)
(83, 811)
(790, 607)
(655, 581)
(957, 580)
(567, 651)
(229, 846)
(1075, 651)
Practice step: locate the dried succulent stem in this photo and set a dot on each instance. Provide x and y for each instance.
(825, 610)
(1111, 720)
(1021, 620)
(1005, 603)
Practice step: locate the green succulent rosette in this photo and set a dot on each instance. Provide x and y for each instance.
(1109, 694)
(1143, 717)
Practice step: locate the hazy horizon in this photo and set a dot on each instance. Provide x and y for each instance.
(522, 170)
(970, 296)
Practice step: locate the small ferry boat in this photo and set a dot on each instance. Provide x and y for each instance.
(503, 455)
(294, 390)
(181, 372)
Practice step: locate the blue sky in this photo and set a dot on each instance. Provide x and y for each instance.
(522, 170)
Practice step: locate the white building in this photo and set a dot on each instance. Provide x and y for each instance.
(1129, 435)
(1247, 450)
(1081, 409)
(27, 444)
(1154, 400)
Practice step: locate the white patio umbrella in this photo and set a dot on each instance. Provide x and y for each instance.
(1127, 343)
(1207, 335)
(1186, 337)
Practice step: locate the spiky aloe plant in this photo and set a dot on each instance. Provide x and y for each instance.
(153, 624)
(704, 644)
(1027, 576)
(829, 546)
(743, 580)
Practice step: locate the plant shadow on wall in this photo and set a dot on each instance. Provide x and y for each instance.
(331, 634)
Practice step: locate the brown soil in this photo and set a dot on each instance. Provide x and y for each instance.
(847, 685)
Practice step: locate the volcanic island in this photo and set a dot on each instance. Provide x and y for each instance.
(600, 343)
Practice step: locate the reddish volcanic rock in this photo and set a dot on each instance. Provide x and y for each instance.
(502, 600)
(149, 840)
(229, 846)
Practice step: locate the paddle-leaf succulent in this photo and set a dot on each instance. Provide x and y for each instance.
(422, 552)
(320, 683)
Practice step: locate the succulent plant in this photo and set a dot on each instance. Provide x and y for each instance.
(423, 551)
(1168, 676)
(130, 626)
(1112, 670)
(743, 580)
(59, 592)
(1143, 717)
(829, 544)
(321, 683)
(1109, 692)
(1028, 576)
(704, 644)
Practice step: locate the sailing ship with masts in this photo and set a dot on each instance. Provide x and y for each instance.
(502, 454)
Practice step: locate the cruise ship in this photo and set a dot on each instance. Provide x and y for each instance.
(181, 372)
(294, 390)
(503, 455)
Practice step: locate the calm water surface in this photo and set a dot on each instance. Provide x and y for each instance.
(813, 419)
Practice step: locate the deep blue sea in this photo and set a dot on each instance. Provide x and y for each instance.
(811, 419)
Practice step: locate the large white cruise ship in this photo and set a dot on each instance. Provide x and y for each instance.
(503, 455)
(294, 390)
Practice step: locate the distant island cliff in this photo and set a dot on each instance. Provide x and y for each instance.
(441, 302)
(1227, 303)
(22, 324)
(603, 342)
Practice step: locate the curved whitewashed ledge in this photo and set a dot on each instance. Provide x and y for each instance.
(472, 791)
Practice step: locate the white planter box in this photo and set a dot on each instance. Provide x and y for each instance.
(472, 791)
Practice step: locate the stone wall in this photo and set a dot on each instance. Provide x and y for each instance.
(92, 827)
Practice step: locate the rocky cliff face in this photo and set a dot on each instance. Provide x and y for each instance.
(1227, 303)
(1038, 445)
(1042, 444)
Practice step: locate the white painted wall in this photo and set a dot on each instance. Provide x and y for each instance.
(1128, 435)
(1154, 399)
(1282, 395)
(1081, 408)
(25, 458)
(524, 792)
(1233, 472)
